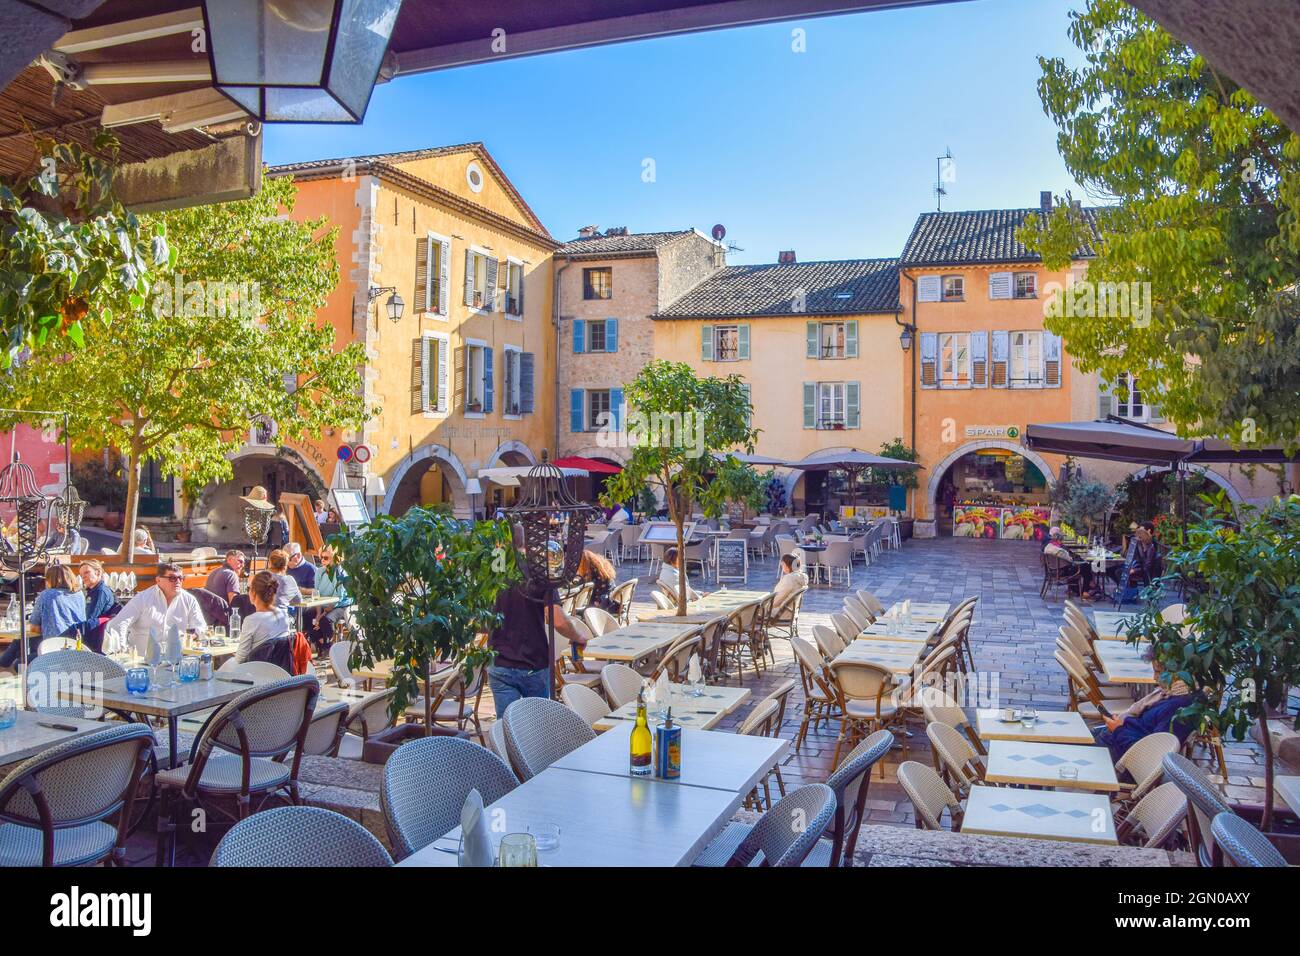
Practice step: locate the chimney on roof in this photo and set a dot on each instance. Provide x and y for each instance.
(786, 257)
(1045, 201)
(616, 231)
(588, 232)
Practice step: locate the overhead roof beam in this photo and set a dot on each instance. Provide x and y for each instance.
(131, 31)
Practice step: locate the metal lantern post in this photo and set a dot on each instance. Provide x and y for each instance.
(554, 525)
(257, 522)
(36, 518)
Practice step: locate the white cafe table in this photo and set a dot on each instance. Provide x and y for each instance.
(1109, 625)
(897, 657)
(906, 632)
(1052, 727)
(1041, 814)
(1123, 669)
(1287, 790)
(36, 732)
(1035, 764)
(633, 642)
(925, 611)
(695, 713)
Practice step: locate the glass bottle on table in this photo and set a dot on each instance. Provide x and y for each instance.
(641, 760)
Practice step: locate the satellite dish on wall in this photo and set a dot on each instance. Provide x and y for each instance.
(719, 232)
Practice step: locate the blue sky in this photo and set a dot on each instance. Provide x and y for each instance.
(830, 152)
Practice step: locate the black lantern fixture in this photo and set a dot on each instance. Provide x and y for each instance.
(395, 305)
(905, 338)
(34, 518)
(257, 523)
(554, 526)
(299, 61)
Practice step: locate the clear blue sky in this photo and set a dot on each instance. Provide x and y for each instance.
(830, 152)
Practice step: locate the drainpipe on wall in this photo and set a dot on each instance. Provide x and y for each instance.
(916, 345)
(555, 324)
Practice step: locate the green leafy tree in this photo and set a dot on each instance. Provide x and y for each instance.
(227, 338)
(1202, 185)
(1086, 503)
(69, 252)
(425, 586)
(676, 422)
(1243, 615)
(904, 477)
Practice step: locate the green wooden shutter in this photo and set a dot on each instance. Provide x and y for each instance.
(812, 335)
(742, 341)
(706, 343)
(852, 405)
(809, 404)
(851, 338)
(487, 379)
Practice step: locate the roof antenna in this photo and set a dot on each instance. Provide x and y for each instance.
(945, 172)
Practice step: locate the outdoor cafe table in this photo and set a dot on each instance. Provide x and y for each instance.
(906, 632)
(36, 732)
(897, 657)
(632, 642)
(608, 818)
(169, 703)
(1038, 765)
(1109, 625)
(700, 713)
(1125, 668)
(311, 603)
(932, 612)
(1042, 814)
(1051, 727)
(1288, 791)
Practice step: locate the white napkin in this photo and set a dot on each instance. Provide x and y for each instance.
(153, 653)
(663, 688)
(693, 672)
(476, 847)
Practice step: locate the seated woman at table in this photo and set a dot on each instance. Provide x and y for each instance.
(596, 569)
(1054, 547)
(268, 622)
(791, 580)
(329, 583)
(58, 611)
(668, 575)
(1153, 714)
(277, 562)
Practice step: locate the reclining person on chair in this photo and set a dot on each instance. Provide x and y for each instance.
(1153, 714)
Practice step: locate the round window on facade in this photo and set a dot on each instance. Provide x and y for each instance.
(474, 176)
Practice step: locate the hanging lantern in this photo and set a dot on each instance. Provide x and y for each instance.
(554, 525)
(299, 61)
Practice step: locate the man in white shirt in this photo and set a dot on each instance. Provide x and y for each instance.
(156, 608)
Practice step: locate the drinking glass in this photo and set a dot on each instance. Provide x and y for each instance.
(137, 681)
(188, 670)
(8, 713)
(217, 635)
(517, 850)
(164, 674)
(545, 835)
(1068, 773)
(1028, 718)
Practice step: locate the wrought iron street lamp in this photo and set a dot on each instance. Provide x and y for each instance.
(299, 61)
(257, 524)
(554, 525)
(395, 305)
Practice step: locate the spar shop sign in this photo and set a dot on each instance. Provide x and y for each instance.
(992, 431)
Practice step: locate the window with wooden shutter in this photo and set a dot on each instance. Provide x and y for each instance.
(742, 342)
(929, 360)
(461, 382)
(444, 345)
(526, 400)
(490, 283)
(509, 373)
(706, 343)
(487, 380)
(809, 404)
(1001, 349)
(1027, 359)
(1000, 285)
(979, 359)
(428, 359)
(851, 338)
(577, 407)
(929, 288)
(852, 405)
(616, 409)
(417, 375)
(420, 297)
(813, 338)
(611, 335)
(469, 277)
(444, 276)
(1105, 404)
(579, 336)
(1053, 361)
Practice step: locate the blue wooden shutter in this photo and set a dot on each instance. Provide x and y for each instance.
(851, 339)
(742, 341)
(611, 335)
(809, 404)
(929, 360)
(487, 379)
(812, 335)
(616, 409)
(706, 343)
(979, 359)
(577, 404)
(852, 405)
(579, 336)
(929, 288)
(526, 383)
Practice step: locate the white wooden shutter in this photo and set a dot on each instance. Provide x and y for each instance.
(814, 343)
(444, 277)
(809, 404)
(929, 289)
(1052, 361)
(1105, 402)
(1001, 356)
(929, 360)
(979, 359)
(852, 405)
(742, 341)
(851, 338)
(706, 343)
(1001, 285)
(426, 366)
(469, 277)
(442, 376)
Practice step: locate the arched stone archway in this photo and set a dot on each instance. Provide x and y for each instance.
(219, 514)
(512, 453)
(1210, 475)
(939, 470)
(617, 456)
(412, 468)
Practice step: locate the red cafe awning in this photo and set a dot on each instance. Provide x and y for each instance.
(587, 464)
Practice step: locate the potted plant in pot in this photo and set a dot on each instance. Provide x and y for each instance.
(1238, 645)
(1086, 503)
(424, 587)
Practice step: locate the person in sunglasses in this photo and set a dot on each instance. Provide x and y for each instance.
(155, 608)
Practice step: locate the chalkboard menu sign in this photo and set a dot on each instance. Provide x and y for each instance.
(733, 559)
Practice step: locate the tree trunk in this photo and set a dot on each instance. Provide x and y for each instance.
(428, 697)
(1266, 822)
(127, 548)
(675, 513)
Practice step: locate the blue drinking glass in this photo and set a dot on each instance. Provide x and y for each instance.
(137, 680)
(8, 713)
(188, 669)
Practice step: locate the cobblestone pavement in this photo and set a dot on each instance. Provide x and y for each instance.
(1012, 637)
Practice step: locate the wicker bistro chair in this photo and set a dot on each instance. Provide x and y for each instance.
(865, 694)
(860, 606)
(955, 758)
(761, 722)
(1143, 763)
(1084, 697)
(1243, 844)
(711, 636)
(425, 785)
(1059, 572)
(48, 672)
(622, 596)
(54, 807)
(677, 658)
(540, 731)
(599, 620)
(582, 598)
(820, 701)
(326, 731)
(853, 613)
(662, 601)
(628, 542)
(339, 652)
(939, 709)
(785, 616)
(871, 602)
(234, 756)
(1155, 818)
(621, 684)
(930, 796)
(829, 642)
(300, 837)
(584, 702)
(456, 701)
(845, 627)
(1206, 802)
(737, 641)
(838, 558)
(787, 833)
(366, 718)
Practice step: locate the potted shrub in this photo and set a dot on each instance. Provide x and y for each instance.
(424, 587)
(1243, 618)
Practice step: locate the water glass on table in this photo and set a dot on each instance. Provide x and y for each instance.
(1028, 718)
(8, 713)
(517, 850)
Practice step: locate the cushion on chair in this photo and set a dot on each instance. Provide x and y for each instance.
(75, 846)
(724, 846)
(866, 709)
(224, 774)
